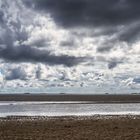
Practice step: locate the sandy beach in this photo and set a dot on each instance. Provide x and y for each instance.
(70, 128)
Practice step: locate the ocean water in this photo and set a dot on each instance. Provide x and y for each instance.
(66, 109)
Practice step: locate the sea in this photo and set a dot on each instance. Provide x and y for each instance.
(67, 109)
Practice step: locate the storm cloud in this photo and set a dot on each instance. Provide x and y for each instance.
(91, 12)
(26, 53)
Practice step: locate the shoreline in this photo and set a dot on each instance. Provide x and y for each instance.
(72, 117)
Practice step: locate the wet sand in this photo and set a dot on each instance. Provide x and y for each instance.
(70, 128)
(63, 97)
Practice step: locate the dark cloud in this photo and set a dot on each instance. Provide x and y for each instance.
(16, 73)
(130, 33)
(29, 54)
(114, 63)
(108, 14)
(111, 62)
(68, 43)
(1, 17)
(91, 12)
(105, 48)
(38, 73)
(136, 80)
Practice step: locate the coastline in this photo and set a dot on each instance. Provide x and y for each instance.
(72, 117)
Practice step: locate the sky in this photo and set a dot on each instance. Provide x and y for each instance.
(80, 45)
